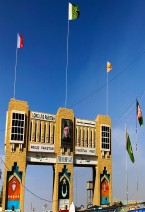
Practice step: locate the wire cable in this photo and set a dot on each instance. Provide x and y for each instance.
(25, 187)
(109, 82)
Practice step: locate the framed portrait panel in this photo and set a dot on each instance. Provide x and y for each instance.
(66, 133)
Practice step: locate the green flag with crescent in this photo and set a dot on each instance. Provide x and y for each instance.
(129, 147)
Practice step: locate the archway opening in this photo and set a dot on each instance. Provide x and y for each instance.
(38, 188)
(81, 176)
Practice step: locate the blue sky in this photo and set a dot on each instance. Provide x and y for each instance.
(106, 31)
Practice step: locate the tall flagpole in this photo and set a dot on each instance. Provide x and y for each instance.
(136, 153)
(126, 167)
(107, 95)
(109, 67)
(67, 59)
(15, 72)
(19, 45)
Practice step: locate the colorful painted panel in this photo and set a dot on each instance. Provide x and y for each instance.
(64, 188)
(104, 192)
(104, 187)
(13, 188)
(13, 193)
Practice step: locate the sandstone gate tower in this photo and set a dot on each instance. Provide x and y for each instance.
(39, 138)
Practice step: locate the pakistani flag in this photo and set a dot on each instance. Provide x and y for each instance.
(73, 12)
(129, 147)
(139, 114)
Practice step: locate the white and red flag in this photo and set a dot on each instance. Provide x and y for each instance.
(20, 43)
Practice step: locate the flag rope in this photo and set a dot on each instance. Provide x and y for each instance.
(15, 73)
(126, 167)
(67, 64)
(110, 81)
(136, 158)
(107, 96)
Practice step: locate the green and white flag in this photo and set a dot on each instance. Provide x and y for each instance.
(73, 12)
(129, 147)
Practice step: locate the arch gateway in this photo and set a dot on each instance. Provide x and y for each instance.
(62, 141)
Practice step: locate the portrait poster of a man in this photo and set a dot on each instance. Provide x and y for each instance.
(66, 133)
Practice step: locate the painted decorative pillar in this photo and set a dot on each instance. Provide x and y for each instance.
(64, 146)
(103, 172)
(15, 155)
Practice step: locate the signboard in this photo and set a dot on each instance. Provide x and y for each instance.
(41, 148)
(86, 123)
(65, 159)
(85, 160)
(41, 157)
(85, 151)
(42, 116)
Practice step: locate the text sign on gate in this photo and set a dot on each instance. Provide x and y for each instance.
(86, 123)
(85, 151)
(85, 160)
(43, 116)
(41, 148)
(65, 159)
(41, 157)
